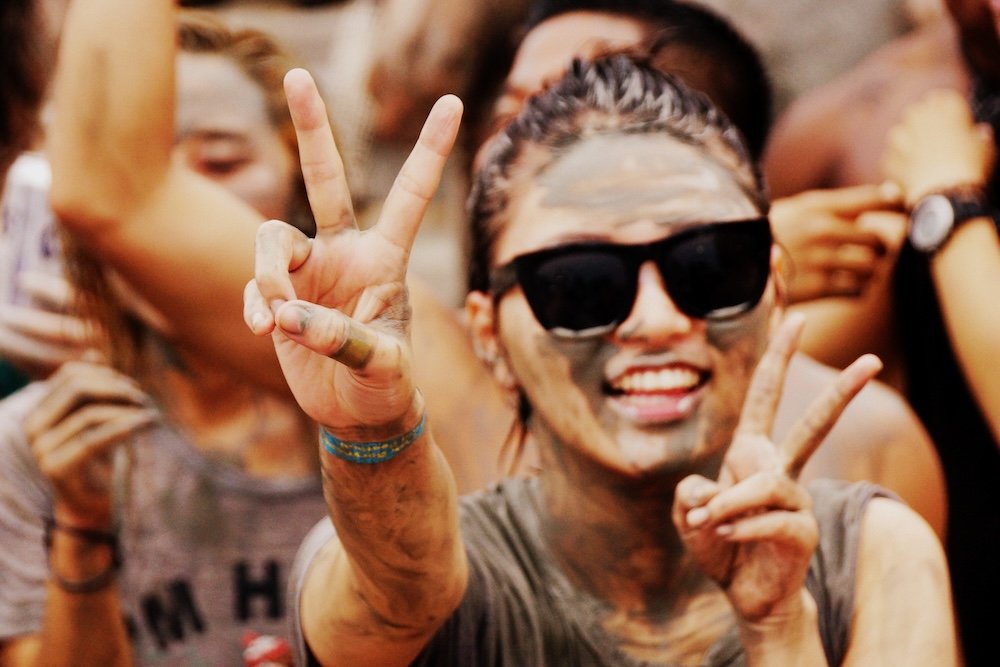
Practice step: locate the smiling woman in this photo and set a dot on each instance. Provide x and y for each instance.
(663, 411)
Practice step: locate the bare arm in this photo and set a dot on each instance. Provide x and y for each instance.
(937, 146)
(903, 603)
(183, 241)
(803, 150)
(337, 310)
(466, 404)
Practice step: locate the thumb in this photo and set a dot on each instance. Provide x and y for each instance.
(333, 334)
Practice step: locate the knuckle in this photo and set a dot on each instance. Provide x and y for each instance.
(407, 181)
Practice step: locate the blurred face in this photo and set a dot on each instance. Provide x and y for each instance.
(223, 133)
(547, 51)
(662, 389)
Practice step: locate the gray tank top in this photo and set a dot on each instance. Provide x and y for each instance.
(532, 615)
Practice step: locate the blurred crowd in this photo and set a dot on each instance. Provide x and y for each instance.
(159, 465)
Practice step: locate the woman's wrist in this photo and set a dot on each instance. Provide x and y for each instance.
(376, 443)
(789, 635)
(81, 560)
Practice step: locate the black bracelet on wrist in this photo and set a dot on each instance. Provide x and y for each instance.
(99, 581)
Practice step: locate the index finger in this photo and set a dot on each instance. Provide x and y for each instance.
(856, 199)
(322, 167)
(761, 402)
(420, 175)
(808, 432)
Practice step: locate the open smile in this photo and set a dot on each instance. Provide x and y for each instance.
(658, 394)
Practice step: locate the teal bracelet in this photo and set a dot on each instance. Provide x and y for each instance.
(370, 452)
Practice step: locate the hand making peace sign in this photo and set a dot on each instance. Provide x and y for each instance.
(336, 305)
(752, 530)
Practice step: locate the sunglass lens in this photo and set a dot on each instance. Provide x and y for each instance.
(579, 290)
(719, 271)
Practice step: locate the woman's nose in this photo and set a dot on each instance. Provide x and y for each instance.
(654, 318)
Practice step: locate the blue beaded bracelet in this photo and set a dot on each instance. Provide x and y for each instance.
(370, 452)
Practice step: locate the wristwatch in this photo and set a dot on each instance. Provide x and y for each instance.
(936, 216)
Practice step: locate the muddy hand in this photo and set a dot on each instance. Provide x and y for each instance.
(336, 305)
(752, 530)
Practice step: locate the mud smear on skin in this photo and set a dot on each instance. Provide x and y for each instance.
(739, 344)
(619, 176)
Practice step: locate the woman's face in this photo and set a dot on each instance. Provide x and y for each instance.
(663, 390)
(548, 49)
(223, 133)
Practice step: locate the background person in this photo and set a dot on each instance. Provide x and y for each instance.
(172, 503)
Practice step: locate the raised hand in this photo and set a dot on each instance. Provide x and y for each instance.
(336, 305)
(752, 530)
(938, 145)
(89, 410)
(832, 251)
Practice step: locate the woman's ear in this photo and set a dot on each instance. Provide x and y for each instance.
(481, 316)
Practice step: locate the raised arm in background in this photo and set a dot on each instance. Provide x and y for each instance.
(183, 241)
(938, 147)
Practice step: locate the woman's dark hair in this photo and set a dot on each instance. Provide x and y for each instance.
(25, 60)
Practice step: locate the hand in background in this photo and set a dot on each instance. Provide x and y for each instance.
(40, 337)
(88, 411)
(833, 250)
(937, 145)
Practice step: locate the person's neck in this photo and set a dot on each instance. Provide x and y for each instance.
(613, 537)
(232, 421)
(612, 533)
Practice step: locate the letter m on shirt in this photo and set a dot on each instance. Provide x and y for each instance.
(172, 613)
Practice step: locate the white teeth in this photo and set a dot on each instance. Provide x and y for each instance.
(664, 379)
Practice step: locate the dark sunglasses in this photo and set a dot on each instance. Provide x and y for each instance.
(716, 270)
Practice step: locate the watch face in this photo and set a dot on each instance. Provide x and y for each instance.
(931, 222)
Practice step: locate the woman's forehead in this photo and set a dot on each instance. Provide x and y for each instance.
(212, 90)
(621, 187)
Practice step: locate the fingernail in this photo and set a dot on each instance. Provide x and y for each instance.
(890, 191)
(725, 530)
(257, 321)
(697, 517)
(294, 320)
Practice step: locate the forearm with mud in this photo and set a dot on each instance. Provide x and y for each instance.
(405, 569)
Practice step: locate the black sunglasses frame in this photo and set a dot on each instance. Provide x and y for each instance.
(751, 237)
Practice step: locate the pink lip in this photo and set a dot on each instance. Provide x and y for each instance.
(657, 408)
(649, 408)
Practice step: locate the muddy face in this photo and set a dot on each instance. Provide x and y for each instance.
(663, 390)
